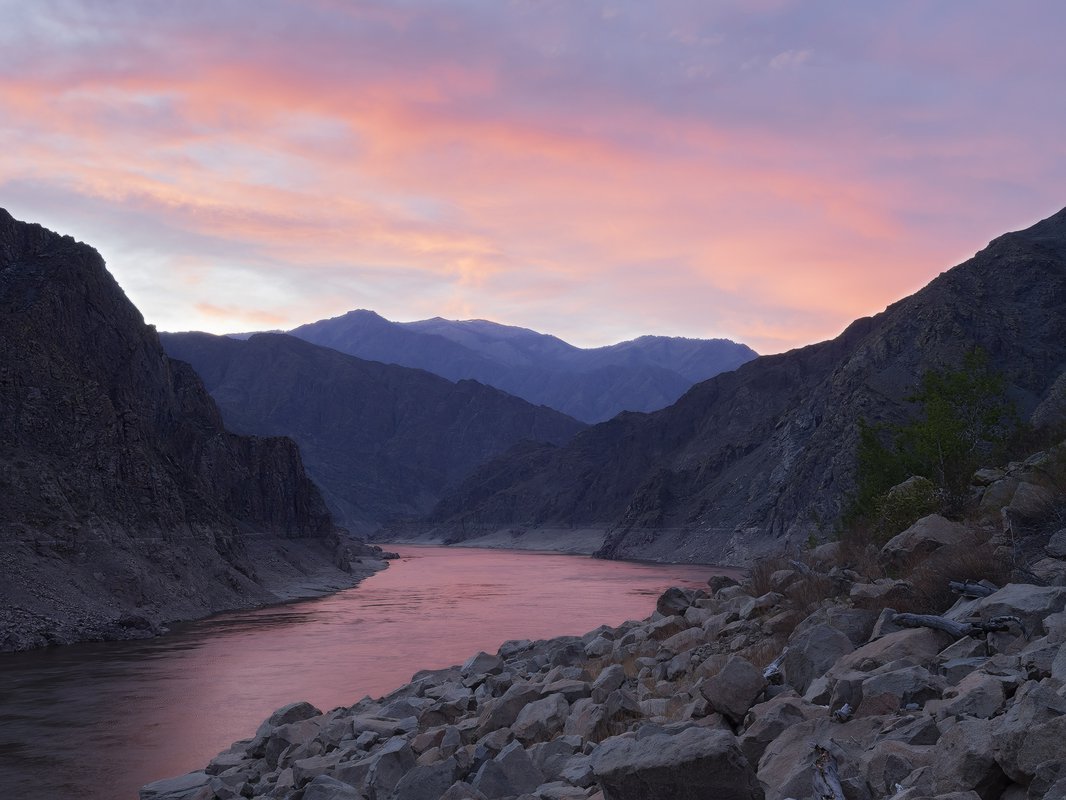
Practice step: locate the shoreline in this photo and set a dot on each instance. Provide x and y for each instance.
(722, 692)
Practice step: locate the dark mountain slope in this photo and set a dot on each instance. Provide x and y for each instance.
(125, 502)
(591, 385)
(382, 441)
(766, 453)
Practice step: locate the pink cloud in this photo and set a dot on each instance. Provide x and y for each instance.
(530, 163)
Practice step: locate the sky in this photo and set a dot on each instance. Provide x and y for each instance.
(765, 171)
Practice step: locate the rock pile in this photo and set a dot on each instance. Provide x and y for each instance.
(718, 694)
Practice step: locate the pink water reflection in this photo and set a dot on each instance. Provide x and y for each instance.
(111, 717)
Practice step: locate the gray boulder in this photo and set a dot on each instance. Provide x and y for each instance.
(293, 712)
(734, 689)
(923, 537)
(766, 721)
(811, 652)
(676, 601)
(426, 782)
(326, 788)
(965, 759)
(482, 664)
(542, 719)
(607, 681)
(501, 712)
(1031, 604)
(183, 787)
(694, 764)
(1056, 546)
(512, 772)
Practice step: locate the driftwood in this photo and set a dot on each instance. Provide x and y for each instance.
(958, 629)
(843, 714)
(772, 673)
(980, 588)
(826, 778)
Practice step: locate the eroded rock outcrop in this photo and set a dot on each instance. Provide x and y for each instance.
(126, 503)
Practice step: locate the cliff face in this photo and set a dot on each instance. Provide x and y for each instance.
(382, 441)
(125, 500)
(767, 453)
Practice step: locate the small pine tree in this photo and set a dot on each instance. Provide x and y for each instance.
(964, 419)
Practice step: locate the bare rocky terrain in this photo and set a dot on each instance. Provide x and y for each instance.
(764, 456)
(126, 502)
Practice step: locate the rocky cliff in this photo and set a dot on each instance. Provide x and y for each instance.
(126, 503)
(592, 385)
(766, 453)
(382, 441)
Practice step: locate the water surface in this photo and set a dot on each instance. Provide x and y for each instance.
(96, 721)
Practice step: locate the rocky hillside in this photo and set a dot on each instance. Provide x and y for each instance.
(803, 683)
(589, 384)
(126, 503)
(766, 454)
(382, 441)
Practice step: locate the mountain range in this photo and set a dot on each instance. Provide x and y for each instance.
(126, 502)
(765, 455)
(382, 441)
(591, 385)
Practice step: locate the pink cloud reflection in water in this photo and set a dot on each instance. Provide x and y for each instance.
(98, 720)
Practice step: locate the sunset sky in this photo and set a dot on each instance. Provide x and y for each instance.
(764, 170)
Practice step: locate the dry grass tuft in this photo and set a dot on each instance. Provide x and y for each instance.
(762, 653)
(930, 575)
(757, 581)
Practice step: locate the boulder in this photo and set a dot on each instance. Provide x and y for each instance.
(512, 772)
(589, 720)
(855, 623)
(482, 664)
(888, 692)
(183, 787)
(501, 712)
(462, 790)
(541, 720)
(1050, 571)
(976, 695)
(426, 782)
(693, 764)
(676, 601)
(1031, 604)
(923, 537)
(1036, 711)
(766, 721)
(1056, 546)
(607, 681)
(890, 761)
(293, 712)
(965, 759)
(882, 592)
(734, 689)
(325, 787)
(786, 765)
(569, 688)
(811, 652)
(1032, 501)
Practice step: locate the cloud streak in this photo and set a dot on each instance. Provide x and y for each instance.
(762, 171)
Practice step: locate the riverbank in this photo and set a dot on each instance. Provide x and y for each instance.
(98, 720)
(62, 607)
(576, 541)
(749, 691)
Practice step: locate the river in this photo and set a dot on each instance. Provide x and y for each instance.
(96, 721)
